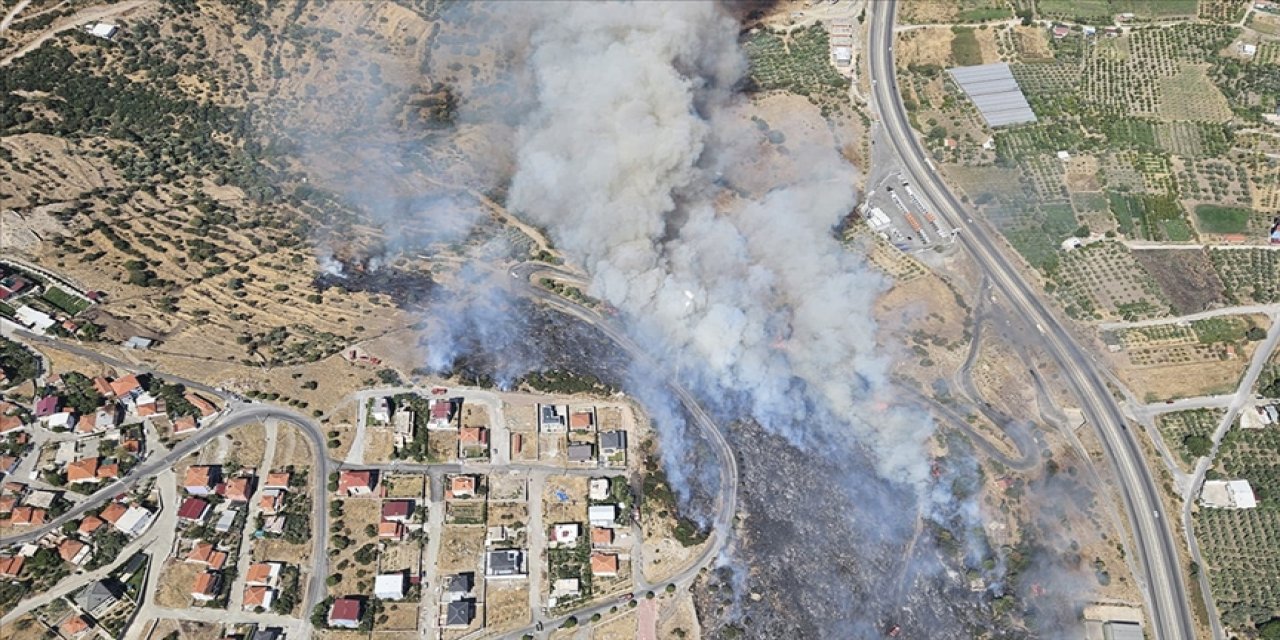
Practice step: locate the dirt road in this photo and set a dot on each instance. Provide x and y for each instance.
(90, 14)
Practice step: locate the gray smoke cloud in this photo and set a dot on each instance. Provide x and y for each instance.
(628, 160)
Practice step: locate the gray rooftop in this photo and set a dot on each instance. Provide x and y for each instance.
(1122, 631)
(993, 90)
(613, 440)
(96, 595)
(505, 562)
(459, 583)
(460, 613)
(581, 452)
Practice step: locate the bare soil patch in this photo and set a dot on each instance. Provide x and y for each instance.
(174, 590)
(462, 549)
(564, 499)
(1187, 278)
(507, 605)
(620, 627)
(680, 616)
(187, 629)
(405, 485)
(292, 448)
(401, 556)
(401, 616)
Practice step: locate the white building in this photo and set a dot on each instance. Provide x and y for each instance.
(389, 586)
(380, 410)
(61, 420)
(102, 30)
(1228, 494)
(565, 534)
(602, 515)
(134, 521)
(598, 489)
(32, 319)
(844, 56)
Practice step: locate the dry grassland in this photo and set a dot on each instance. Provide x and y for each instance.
(927, 310)
(401, 556)
(249, 444)
(24, 628)
(507, 605)
(507, 488)
(346, 436)
(551, 448)
(475, 415)
(461, 550)
(379, 444)
(680, 614)
(442, 446)
(929, 45)
(174, 590)
(292, 448)
(277, 550)
(401, 616)
(620, 627)
(663, 556)
(573, 508)
(187, 629)
(405, 485)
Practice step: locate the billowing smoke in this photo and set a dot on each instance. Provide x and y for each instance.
(646, 169)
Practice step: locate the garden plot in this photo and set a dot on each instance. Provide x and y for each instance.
(1189, 95)
(1187, 432)
(1225, 11)
(1242, 546)
(1046, 173)
(931, 11)
(564, 499)
(1103, 281)
(1248, 275)
(1150, 217)
(888, 258)
(1093, 211)
(404, 485)
(396, 616)
(1081, 173)
(1101, 9)
(1186, 277)
(1264, 178)
(1120, 173)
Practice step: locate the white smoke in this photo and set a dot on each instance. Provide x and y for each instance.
(625, 161)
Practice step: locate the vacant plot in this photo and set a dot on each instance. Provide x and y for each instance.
(511, 514)
(620, 626)
(1186, 277)
(1215, 219)
(397, 616)
(186, 629)
(507, 604)
(508, 488)
(462, 549)
(1187, 432)
(964, 47)
(442, 446)
(278, 550)
(292, 448)
(405, 485)
(174, 590)
(564, 499)
(401, 556)
(465, 512)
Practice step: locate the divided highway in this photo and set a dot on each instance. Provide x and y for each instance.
(1155, 551)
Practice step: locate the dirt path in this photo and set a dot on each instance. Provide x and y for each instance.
(90, 14)
(13, 13)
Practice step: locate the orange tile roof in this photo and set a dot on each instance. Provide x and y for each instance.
(390, 530)
(109, 471)
(11, 566)
(90, 524)
(9, 423)
(206, 408)
(206, 584)
(69, 548)
(75, 625)
(7, 503)
(205, 553)
(259, 573)
(86, 469)
(198, 476)
(271, 502)
(350, 480)
(604, 563)
(102, 386)
(147, 410)
(255, 596)
(113, 512)
(580, 420)
(184, 424)
(126, 385)
(13, 486)
(27, 515)
(239, 489)
(601, 535)
(279, 480)
(473, 435)
(132, 445)
(462, 484)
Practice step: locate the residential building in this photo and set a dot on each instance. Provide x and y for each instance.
(397, 510)
(565, 534)
(113, 511)
(462, 486)
(258, 597)
(549, 419)
(126, 388)
(345, 613)
(601, 536)
(602, 515)
(380, 410)
(389, 586)
(598, 489)
(201, 479)
(266, 574)
(74, 626)
(184, 424)
(27, 516)
(604, 564)
(98, 597)
(134, 521)
(206, 554)
(278, 480)
(582, 420)
(582, 452)
(442, 413)
(564, 589)
(403, 427)
(457, 586)
(356, 483)
(271, 502)
(11, 566)
(74, 551)
(205, 407)
(61, 421)
(240, 489)
(82, 471)
(459, 614)
(90, 524)
(193, 510)
(107, 417)
(473, 442)
(504, 563)
(612, 442)
(225, 521)
(103, 387)
(206, 585)
(391, 530)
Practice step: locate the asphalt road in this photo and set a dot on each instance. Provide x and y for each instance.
(1156, 554)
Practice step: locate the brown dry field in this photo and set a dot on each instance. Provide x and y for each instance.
(461, 549)
(507, 605)
(401, 616)
(987, 45)
(356, 513)
(520, 416)
(681, 615)
(928, 306)
(346, 435)
(613, 418)
(507, 488)
(401, 556)
(405, 485)
(174, 590)
(292, 448)
(338, 634)
(927, 12)
(24, 628)
(551, 448)
(663, 556)
(1189, 380)
(394, 635)
(508, 514)
(474, 415)
(442, 446)
(621, 627)
(1187, 278)
(464, 512)
(187, 629)
(277, 550)
(249, 444)
(379, 444)
(572, 510)
(929, 45)
(1033, 42)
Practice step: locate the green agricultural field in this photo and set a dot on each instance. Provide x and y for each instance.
(1150, 217)
(983, 14)
(1212, 218)
(964, 47)
(65, 301)
(1096, 9)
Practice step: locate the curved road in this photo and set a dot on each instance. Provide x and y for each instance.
(1156, 553)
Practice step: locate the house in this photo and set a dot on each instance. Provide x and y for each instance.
(473, 442)
(604, 564)
(240, 489)
(205, 407)
(47, 406)
(457, 586)
(10, 423)
(345, 613)
(193, 510)
(549, 419)
(61, 421)
(602, 515)
(27, 516)
(107, 417)
(184, 424)
(496, 534)
(441, 414)
(1248, 49)
(565, 534)
(200, 479)
(582, 452)
(598, 489)
(208, 555)
(601, 536)
(8, 464)
(275, 525)
(89, 525)
(356, 483)
(270, 633)
(389, 586)
(126, 388)
(205, 587)
(11, 566)
(42, 499)
(266, 574)
(1061, 31)
(278, 481)
(225, 521)
(103, 387)
(74, 551)
(403, 428)
(112, 512)
(397, 510)
(148, 406)
(1228, 494)
(98, 597)
(75, 625)
(82, 471)
(138, 342)
(380, 410)
(32, 319)
(461, 486)
(459, 614)
(391, 530)
(564, 589)
(7, 504)
(103, 30)
(11, 285)
(844, 56)
(271, 502)
(109, 471)
(134, 521)
(612, 442)
(504, 564)
(256, 596)
(582, 420)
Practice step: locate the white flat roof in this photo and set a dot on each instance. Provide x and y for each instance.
(994, 91)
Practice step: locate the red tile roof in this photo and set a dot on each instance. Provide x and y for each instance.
(354, 480)
(193, 509)
(11, 566)
(125, 386)
(112, 512)
(346, 609)
(392, 509)
(90, 524)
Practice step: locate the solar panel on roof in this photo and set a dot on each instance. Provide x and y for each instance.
(995, 93)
